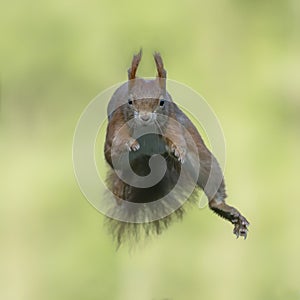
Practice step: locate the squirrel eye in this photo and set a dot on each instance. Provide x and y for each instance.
(161, 102)
(130, 102)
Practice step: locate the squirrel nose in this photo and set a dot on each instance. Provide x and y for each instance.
(145, 117)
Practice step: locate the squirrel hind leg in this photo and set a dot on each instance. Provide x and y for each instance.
(232, 215)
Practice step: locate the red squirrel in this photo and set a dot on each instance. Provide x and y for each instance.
(143, 103)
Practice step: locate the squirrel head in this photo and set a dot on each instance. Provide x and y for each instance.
(148, 99)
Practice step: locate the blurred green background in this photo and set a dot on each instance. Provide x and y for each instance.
(242, 56)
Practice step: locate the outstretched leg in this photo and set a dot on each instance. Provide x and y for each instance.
(212, 182)
(231, 214)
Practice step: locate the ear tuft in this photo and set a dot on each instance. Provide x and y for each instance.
(134, 65)
(161, 72)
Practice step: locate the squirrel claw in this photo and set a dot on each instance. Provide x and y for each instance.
(133, 145)
(179, 153)
(240, 226)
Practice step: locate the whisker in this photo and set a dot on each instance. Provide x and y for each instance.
(159, 132)
(158, 126)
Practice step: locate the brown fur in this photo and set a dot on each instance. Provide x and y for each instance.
(140, 99)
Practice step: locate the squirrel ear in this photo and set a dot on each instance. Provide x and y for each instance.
(134, 65)
(161, 72)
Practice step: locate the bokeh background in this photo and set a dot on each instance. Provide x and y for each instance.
(242, 56)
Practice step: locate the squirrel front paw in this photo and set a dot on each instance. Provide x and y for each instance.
(179, 152)
(133, 145)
